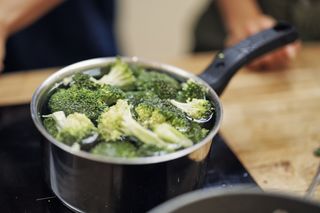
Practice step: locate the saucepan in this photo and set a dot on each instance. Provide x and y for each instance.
(89, 183)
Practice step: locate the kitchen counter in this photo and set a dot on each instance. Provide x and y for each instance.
(271, 119)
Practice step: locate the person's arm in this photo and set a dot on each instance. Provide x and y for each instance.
(244, 18)
(17, 14)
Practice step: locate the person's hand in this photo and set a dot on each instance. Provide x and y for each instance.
(275, 60)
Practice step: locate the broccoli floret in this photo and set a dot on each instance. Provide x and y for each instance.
(136, 69)
(199, 109)
(115, 149)
(191, 89)
(156, 111)
(159, 83)
(71, 129)
(50, 125)
(149, 116)
(110, 94)
(83, 100)
(195, 132)
(82, 80)
(136, 97)
(117, 122)
(120, 76)
(79, 100)
(169, 134)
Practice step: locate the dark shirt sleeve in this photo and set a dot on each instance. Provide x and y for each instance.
(74, 31)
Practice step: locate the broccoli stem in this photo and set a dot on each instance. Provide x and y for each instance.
(59, 117)
(170, 134)
(195, 108)
(143, 134)
(117, 122)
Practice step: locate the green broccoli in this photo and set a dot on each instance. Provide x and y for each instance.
(136, 69)
(117, 122)
(155, 115)
(84, 100)
(71, 129)
(199, 109)
(159, 83)
(136, 97)
(191, 89)
(156, 111)
(82, 80)
(115, 149)
(120, 76)
(109, 93)
(195, 132)
(50, 124)
(169, 134)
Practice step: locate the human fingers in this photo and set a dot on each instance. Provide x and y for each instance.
(276, 60)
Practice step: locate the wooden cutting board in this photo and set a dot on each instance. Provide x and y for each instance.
(271, 119)
(17, 88)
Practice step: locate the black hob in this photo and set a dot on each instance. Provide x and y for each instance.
(22, 186)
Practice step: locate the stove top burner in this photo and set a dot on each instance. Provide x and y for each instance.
(22, 186)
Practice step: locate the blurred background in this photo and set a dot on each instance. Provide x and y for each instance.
(63, 32)
(157, 29)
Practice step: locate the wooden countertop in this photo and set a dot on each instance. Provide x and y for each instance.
(271, 119)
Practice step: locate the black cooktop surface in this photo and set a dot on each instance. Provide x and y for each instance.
(22, 186)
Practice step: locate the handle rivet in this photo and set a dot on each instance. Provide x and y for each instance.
(220, 55)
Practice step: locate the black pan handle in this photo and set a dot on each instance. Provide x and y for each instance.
(230, 60)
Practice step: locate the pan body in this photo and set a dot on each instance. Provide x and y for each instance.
(88, 186)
